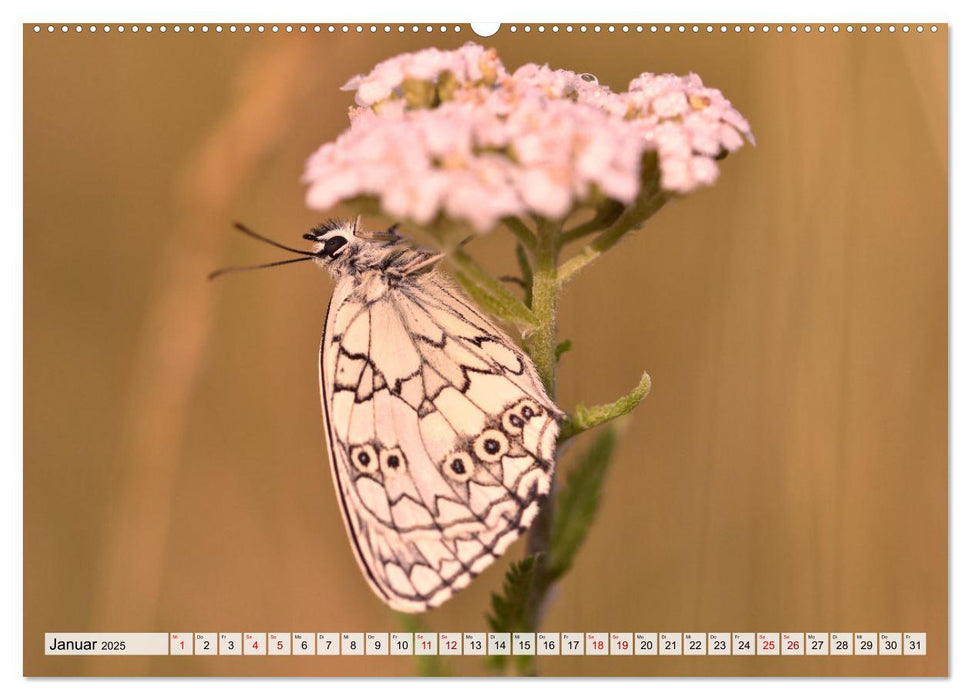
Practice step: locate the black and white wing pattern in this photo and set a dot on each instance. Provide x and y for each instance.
(441, 436)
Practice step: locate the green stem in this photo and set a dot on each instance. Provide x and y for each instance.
(604, 217)
(545, 281)
(541, 346)
(521, 232)
(630, 220)
(541, 343)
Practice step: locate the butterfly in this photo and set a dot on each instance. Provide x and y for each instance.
(440, 434)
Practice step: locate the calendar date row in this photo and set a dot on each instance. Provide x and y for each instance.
(489, 643)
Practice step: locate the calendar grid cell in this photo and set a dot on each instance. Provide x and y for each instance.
(500, 643)
(180, 644)
(303, 644)
(719, 644)
(205, 643)
(254, 644)
(278, 644)
(450, 644)
(817, 644)
(548, 643)
(865, 643)
(376, 643)
(571, 644)
(426, 644)
(402, 643)
(352, 644)
(695, 644)
(645, 644)
(669, 643)
(621, 643)
(230, 644)
(474, 643)
(841, 644)
(597, 644)
(915, 644)
(328, 644)
(793, 643)
(523, 643)
(891, 643)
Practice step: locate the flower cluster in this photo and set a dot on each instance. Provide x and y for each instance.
(452, 133)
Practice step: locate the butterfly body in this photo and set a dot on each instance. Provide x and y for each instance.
(440, 434)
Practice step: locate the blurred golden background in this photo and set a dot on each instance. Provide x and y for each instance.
(788, 471)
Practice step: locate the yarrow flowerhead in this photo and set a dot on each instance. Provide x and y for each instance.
(452, 134)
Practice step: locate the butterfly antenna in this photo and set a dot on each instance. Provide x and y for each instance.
(243, 228)
(243, 268)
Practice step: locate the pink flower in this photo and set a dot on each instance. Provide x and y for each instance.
(671, 104)
(453, 133)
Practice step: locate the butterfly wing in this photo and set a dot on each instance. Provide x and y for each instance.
(441, 436)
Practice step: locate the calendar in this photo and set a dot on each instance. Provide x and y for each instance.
(631, 644)
(550, 348)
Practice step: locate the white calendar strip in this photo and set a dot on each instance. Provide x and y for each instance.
(491, 643)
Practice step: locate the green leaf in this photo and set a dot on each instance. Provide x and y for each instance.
(578, 501)
(584, 418)
(490, 293)
(510, 609)
(563, 347)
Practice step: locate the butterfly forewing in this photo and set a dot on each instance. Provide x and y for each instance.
(440, 434)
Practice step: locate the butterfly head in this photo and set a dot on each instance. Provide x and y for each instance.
(332, 240)
(338, 247)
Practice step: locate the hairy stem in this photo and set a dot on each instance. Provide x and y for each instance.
(541, 343)
(604, 217)
(521, 232)
(630, 220)
(538, 254)
(541, 346)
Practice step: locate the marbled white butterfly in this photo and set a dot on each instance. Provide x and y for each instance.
(440, 434)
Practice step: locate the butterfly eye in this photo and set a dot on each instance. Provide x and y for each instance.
(364, 459)
(458, 466)
(513, 422)
(392, 460)
(491, 445)
(528, 409)
(333, 246)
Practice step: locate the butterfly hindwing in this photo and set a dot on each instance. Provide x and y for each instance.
(440, 434)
